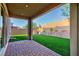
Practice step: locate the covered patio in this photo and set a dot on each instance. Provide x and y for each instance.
(30, 12)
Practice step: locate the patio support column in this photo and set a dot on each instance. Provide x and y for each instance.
(29, 29)
(74, 28)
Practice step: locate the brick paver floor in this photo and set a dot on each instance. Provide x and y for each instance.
(28, 48)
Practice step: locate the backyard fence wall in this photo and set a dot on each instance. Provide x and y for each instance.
(18, 31)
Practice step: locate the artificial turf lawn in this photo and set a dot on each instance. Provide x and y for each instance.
(57, 44)
(18, 38)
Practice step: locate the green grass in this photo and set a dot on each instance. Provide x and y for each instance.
(57, 44)
(18, 38)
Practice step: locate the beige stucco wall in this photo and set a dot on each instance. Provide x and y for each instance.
(73, 30)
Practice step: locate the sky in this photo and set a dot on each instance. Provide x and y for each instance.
(18, 22)
(51, 16)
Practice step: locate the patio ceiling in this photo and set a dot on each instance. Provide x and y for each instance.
(30, 10)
